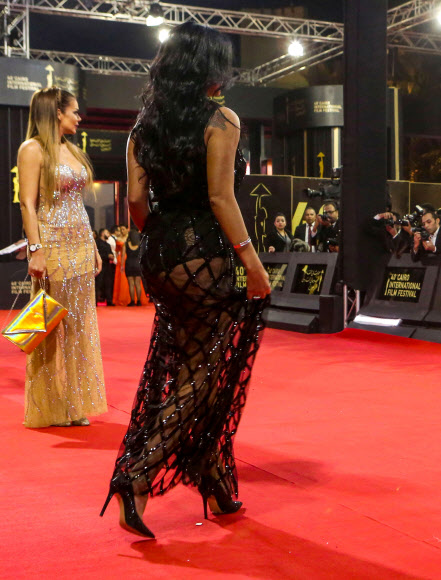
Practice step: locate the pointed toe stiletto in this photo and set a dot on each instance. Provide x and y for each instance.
(216, 496)
(129, 518)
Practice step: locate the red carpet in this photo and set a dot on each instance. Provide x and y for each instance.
(339, 462)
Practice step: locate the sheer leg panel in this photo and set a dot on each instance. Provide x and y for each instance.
(193, 387)
(64, 374)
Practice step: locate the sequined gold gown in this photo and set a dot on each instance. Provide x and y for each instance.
(64, 374)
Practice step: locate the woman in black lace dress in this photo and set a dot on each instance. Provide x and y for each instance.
(131, 266)
(184, 152)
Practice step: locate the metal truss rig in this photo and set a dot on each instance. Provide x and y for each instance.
(134, 67)
(136, 12)
(400, 20)
(324, 39)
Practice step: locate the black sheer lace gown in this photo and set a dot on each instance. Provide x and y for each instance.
(204, 340)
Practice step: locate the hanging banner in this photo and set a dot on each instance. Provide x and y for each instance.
(20, 78)
(12, 283)
(311, 107)
(102, 144)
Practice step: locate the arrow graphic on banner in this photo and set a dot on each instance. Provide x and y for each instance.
(16, 185)
(321, 156)
(84, 141)
(260, 216)
(50, 77)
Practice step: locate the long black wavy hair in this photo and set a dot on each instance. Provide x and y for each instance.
(168, 135)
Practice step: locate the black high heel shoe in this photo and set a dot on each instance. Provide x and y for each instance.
(216, 496)
(128, 516)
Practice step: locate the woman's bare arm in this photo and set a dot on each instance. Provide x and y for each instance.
(137, 185)
(222, 138)
(30, 159)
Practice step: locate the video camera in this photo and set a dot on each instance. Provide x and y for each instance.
(330, 189)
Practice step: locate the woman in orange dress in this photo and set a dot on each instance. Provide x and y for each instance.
(121, 295)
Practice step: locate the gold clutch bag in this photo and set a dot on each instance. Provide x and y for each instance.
(32, 324)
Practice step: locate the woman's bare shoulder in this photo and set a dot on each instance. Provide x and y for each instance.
(224, 119)
(29, 150)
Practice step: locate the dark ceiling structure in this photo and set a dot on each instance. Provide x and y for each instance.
(410, 27)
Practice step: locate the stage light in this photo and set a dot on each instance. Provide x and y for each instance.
(438, 17)
(156, 15)
(163, 34)
(296, 49)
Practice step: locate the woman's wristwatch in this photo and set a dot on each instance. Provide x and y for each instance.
(34, 247)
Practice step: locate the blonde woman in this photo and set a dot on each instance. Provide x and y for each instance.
(64, 374)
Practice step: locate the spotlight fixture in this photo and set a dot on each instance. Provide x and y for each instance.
(296, 49)
(156, 15)
(163, 34)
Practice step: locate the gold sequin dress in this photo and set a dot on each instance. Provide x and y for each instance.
(64, 374)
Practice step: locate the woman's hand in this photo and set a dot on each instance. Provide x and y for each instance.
(98, 264)
(258, 285)
(37, 264)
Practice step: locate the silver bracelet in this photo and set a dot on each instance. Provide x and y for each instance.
(242, 244)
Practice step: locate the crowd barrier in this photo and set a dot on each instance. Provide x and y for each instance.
(407, 295)
(13, 283)
(302, 296)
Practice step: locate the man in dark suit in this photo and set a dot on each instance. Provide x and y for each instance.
(430, 222)
(306, 231)
(103, 282)
(330, 233)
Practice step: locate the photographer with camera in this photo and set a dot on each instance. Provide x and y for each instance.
(427, 238)
(328, 238)
(394, 234)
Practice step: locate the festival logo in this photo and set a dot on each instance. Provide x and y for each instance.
(15, 185)
(402, 284)
(321, 157)
(84, 141)
(297, 218)
(50, 75)
(277, 275)
(260, 215)
(309, 279)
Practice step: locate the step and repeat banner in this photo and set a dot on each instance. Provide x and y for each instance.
(261, 197)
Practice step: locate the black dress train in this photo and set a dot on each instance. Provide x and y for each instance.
(204, 340)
